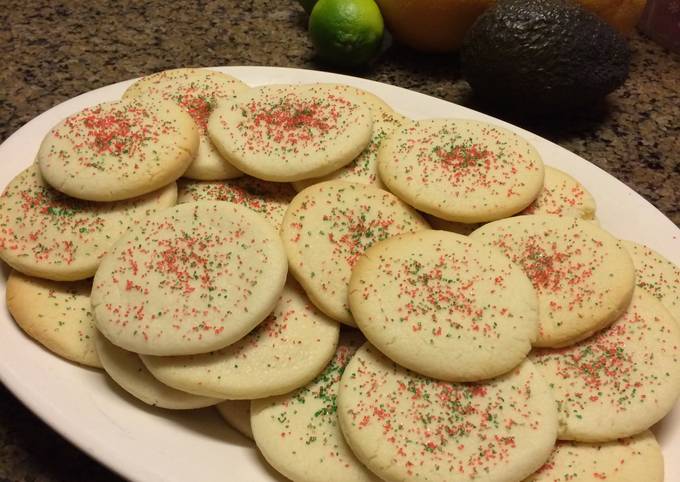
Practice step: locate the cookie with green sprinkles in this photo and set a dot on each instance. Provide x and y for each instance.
(46, 234)
(328, 226)
(237, 414)
(57, 315)
(290, 132)
(118, 150)
(284, 352)
(298, 433)
(584, 279)
(197, 92)
(270, 199)
(562, 195)
(627, 460)
(404, 426)
(444, 305)
(363, 169)
(127, 370)
(191, 279)
(622, 380)
(657, 275)
(461, 170)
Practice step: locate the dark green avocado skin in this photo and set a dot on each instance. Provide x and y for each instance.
(543, 55)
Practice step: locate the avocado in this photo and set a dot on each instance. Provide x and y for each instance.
(543, 56)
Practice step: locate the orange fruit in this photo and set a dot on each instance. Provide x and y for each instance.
(431, 25)
(623, 15)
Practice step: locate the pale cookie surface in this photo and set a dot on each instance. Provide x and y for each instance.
(299, 434)
(562, 195)
(237, 414)
(461, 170)
(444, 306)
(620, 381)
(583, 278)
(118, 150)
(197, 92)
(56, 314)
(284, 352)
(363, 169)
(656, 275)
(128, 371)
(290, 132)
(191, 279)
(634, 459)
(270, 199)
(46, 234)
(327, 228)
(407, 427)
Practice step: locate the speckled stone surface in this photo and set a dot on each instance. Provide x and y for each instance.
(53, 50)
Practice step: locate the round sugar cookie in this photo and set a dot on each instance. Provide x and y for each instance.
(55, 314)
(461, 170)
(583, 278)
(620, 381)
(237, 414)
(298, 433)
(128, 371)
(282, 353)
(562, 195)
(444, 306)
(627, 460)
(270, 199)
(191, 279)
(46, 234)
(405, 426)
(657, 275)
(290, 132)
(118, 150)
(363, 169)
(328, 226)
(197, 92)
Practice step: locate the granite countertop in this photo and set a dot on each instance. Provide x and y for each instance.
(53, 51)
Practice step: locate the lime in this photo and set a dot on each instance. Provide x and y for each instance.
(308, 5)
(347, 33)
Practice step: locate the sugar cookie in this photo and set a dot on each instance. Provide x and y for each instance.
(328, 226)
(290, 132)
(405, 426)
(562, 195)
(237, 414)
(197, 92)
(55, 314)
(46, 234)
(583, 278)
(444, 305)
(284, 352)
(191, 279)
(620, 381)
(118, 150)
(461, 170)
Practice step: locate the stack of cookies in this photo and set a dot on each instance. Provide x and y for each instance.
(300, 287)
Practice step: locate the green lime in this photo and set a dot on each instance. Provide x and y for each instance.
(347, 33)
(308, 5)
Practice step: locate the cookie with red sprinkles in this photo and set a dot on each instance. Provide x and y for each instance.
(46, 234)
(562, 195)
(584, 279)
(191, 279)
(298, 433)
(284, 352)
(270, 199)
(461, 170)
(127, 370)
(56, 314)
(118, 150)
(444, 305)
(237, 414)
(328, 226)
(197, 92)
(633, 459)
(622, 380)
(404, 426)
(291, 132)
